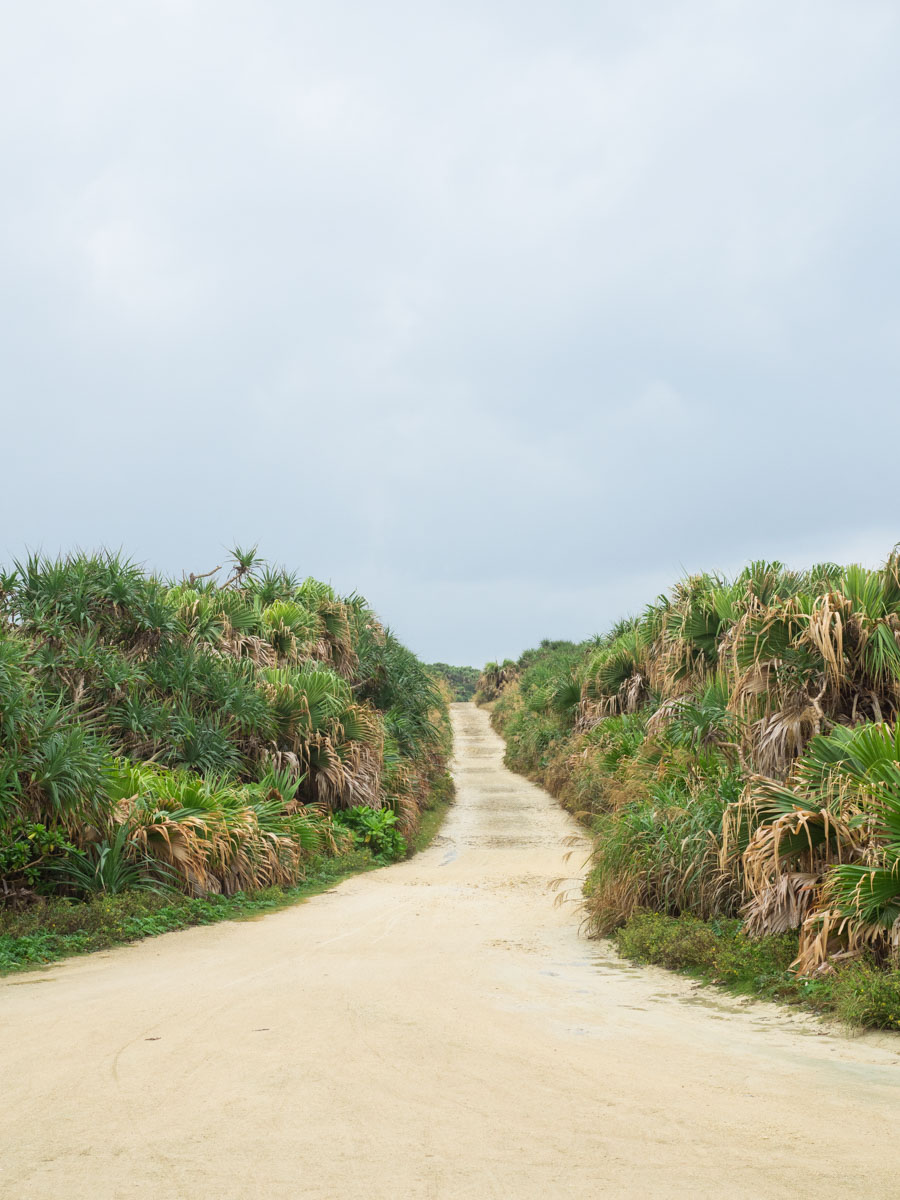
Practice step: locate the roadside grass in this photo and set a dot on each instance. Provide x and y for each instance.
(57, 928)
(860, 993)
(441, 799)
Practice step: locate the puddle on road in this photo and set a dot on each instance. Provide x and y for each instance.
(710, 1003)
(504, 841)
(615, 966)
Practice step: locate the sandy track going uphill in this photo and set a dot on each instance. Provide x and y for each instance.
(435, 1029)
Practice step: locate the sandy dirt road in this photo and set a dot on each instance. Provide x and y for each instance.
(434, 1029)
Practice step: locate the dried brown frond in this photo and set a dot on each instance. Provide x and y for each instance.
(776, 741)
(590, 713)
(786, 860)
(782, 905)
(240, 645)
(664, 714)
(829, 936)
(284, 760)
(361, 784)
(189, 845)
(825, 632)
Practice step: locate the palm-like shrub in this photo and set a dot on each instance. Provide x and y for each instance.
(794, 651)
(825, 851)
(112, 867)
(215, 835)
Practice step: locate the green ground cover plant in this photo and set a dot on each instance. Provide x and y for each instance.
(374, 830)
(860, 993)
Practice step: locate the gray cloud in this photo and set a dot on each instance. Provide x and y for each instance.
(503, 314)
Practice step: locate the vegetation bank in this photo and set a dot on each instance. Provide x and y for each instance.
(181, 750)
(736, 751)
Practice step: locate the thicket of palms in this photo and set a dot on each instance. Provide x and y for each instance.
(197, 734)
(737, 748)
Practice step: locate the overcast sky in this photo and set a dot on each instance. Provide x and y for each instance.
(502, 313)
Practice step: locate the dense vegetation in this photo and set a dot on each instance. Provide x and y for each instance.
(200, 738)
(462, 681)
(737, 752)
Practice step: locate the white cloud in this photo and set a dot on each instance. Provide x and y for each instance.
(542, 301)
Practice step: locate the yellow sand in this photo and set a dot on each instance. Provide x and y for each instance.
(435, 1029)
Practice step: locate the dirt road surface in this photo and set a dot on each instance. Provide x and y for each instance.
(434, 1029)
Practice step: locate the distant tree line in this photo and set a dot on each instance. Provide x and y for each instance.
(462, 681)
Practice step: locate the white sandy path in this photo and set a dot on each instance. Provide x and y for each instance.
(435, 1029)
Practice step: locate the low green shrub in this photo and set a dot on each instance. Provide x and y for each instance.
(865, 994)
(718, 949)
(25, 852)
(682, 943)
(374, 829)
(754, 965)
